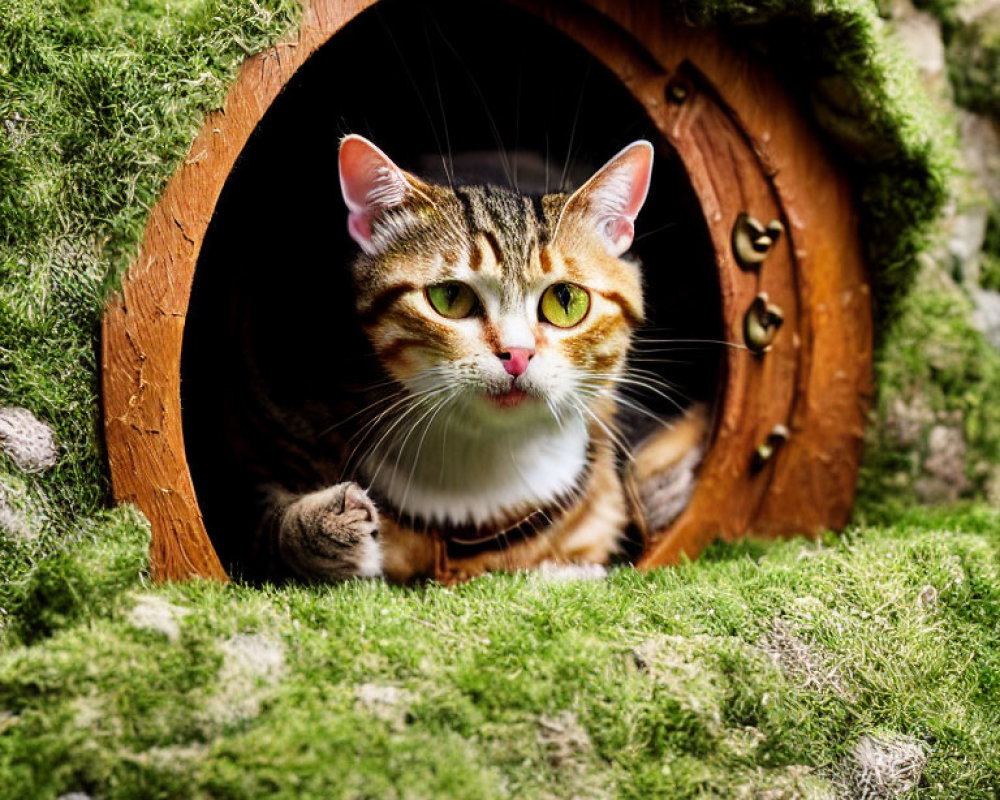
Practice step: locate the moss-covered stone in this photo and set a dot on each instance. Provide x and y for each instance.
(974, 62)
(937, 370)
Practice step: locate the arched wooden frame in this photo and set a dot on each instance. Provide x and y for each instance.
(747, 150)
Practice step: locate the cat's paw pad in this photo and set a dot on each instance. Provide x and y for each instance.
(332, 534)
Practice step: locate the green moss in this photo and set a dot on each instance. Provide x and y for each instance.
(989, 270)
(726, 677)
(937, 364)
(83, 579)
(989, 274)
(99, 101)
(973, 52)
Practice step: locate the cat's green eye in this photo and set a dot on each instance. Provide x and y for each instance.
(564, 304)
(452, 299)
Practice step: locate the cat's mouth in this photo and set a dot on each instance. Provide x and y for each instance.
(512, 397)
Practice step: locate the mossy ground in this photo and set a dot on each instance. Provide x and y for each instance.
(758, 668)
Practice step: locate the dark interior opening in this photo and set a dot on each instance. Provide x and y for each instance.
(424, 81)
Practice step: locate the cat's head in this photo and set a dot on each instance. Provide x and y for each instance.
(514, 307)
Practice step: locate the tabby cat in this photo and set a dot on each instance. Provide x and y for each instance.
(502, 322)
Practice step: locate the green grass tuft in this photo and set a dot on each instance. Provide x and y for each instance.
(740, 673)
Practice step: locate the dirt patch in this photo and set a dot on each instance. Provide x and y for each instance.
(152, 613)
(387, 703)
(565, 740)
(800, 661)
(882, 767)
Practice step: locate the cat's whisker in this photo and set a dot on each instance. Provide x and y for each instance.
(362, 411)
(612, 435)
(656, 360)
(654, 231)
(409, 397)
(416, 457)
(554, 412)
(392, 427)
(640, 342)
(654, 384)
(377, 448)
(369, 428)
(401, 447)
(573, 127)
(501, 149)
(444, 446)
(361, 435)
(653, 379)
(639, 408)
(449, 165)
(623, 402)
(627, 384)
(405, 67)
(403, 397)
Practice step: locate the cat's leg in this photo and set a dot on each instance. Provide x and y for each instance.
(662, 475)
(326, 535)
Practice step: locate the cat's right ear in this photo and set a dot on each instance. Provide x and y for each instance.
(610, 201)
(370, 183)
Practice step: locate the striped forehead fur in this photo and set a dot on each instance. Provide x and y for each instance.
(450, 219)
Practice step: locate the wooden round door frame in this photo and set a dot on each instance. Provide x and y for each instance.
(789, 421)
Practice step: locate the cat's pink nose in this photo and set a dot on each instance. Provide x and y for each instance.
(515, 359)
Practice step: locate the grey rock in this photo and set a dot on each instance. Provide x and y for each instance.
(979, 138)
(986, 316)
(906, 420)
(944, 478)
(13, 522)
(970, 13)
(26, 440)
(387, 703)
(966, 234)
(920, 34)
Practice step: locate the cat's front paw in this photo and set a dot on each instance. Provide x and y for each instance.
(332, 534)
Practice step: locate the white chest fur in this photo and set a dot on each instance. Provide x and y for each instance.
(458, 470)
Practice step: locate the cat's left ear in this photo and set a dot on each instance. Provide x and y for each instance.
(370, 183)
(610, 201)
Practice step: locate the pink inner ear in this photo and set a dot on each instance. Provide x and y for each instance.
(359, 226)
(640, 167)
(613, 197)
(620, 233)
(370, 183)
